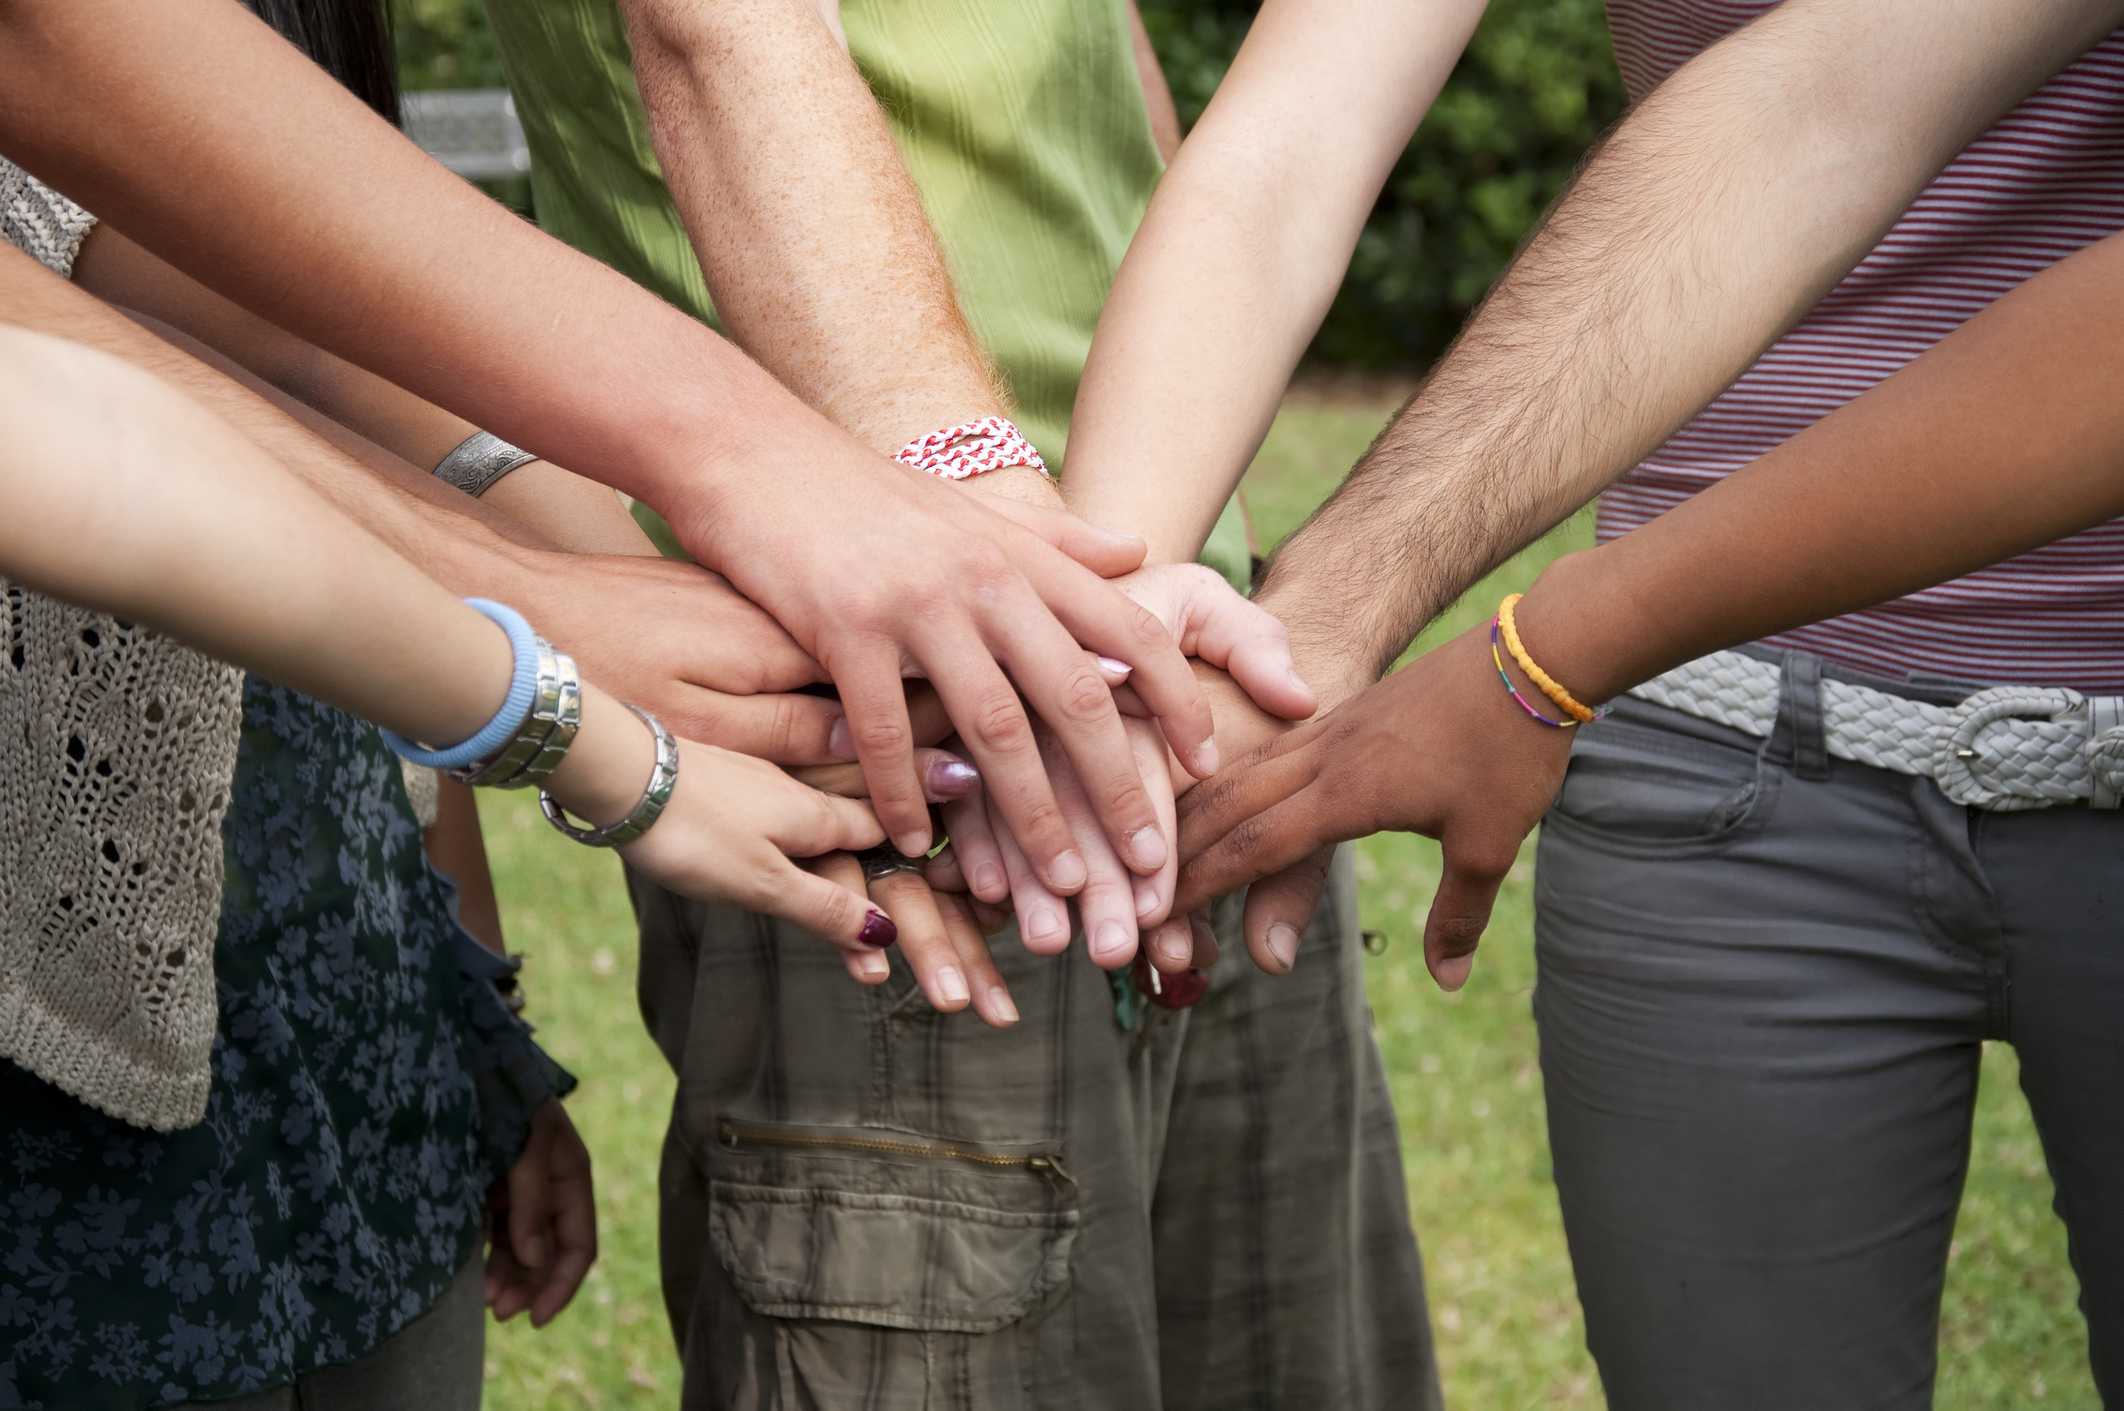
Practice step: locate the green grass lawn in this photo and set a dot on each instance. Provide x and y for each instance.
(1465, 1080)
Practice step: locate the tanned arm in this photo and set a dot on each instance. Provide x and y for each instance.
(388, 261)
(1718, 213)
(2007, 435)
(808, 228)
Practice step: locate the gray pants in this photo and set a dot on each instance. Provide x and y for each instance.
(434, 1363)
(867, 1204)
(1765, 978)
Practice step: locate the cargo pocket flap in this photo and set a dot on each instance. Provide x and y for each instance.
(900, 1239)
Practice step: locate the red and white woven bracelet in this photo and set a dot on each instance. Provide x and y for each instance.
(959, 452)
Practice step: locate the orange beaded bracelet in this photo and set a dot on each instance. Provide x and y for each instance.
(1565, 701)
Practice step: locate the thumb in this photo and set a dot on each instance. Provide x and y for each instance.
(1461, 911)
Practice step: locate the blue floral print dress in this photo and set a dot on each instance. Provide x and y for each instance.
(338, 1181)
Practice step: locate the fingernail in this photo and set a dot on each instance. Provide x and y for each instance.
(535, 1252)
(951, 985)
(988, 881)
(1146, 900)
(1000, 1007)
(1113, 666)
(1044, 924)
(878, 931)
(875, 967)
(1207, 760)
(840, 745)
(1283, 944)
(1111, 944)
(1066, 873)
(953, 777)
(1175, 945)
(1147, 850)
(912, 844)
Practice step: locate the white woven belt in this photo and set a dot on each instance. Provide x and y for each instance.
(2007, 748)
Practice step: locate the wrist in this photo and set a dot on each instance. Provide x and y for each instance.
(601, 778)
(1021, 483)
(1585, 633)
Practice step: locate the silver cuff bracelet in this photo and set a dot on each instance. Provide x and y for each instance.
(478, 461)
(662, 778)
(545, 734)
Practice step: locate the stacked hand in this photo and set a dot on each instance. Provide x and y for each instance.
(1438, 748)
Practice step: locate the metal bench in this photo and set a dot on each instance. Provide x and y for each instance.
(472, 131)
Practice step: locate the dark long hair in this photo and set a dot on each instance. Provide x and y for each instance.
(348, 39)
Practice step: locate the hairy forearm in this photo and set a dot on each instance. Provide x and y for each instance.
(1713, 218)
(2005, 436)
(1241, 253)
(807, 225)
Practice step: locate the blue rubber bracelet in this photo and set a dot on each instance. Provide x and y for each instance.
(502, 728)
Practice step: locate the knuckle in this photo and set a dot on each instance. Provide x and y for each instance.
(1144, 628)
(876, 738)
(1084, 696)
(1000, 725)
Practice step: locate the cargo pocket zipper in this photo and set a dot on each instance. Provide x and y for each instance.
(733, 1135)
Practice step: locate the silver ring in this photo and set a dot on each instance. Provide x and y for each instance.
(885, 860)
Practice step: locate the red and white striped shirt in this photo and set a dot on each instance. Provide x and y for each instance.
(2046, 180)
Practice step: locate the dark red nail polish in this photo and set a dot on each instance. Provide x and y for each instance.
(878, 931)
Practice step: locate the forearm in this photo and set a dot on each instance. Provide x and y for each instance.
(1715, 216)
(1241, 253)
(383, 257)
(808, 227)
(198, 534)
(560, 507)
(2006, 435)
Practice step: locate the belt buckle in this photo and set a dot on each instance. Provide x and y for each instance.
(1955, 750)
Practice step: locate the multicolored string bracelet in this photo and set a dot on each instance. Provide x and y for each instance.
(973, 448)
(1503, 624)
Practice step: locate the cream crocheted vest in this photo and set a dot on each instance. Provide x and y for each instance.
(117, 746)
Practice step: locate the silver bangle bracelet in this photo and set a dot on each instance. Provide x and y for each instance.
(662, 778)
(548, 728)
(478, 461)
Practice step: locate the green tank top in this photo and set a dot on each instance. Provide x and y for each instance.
(1021, 121)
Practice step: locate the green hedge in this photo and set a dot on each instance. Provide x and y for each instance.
(1536, 86)
(1534, 89)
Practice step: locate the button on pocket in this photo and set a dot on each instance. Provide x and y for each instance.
(895, 1229)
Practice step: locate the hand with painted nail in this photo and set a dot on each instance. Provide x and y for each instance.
(730, 831)
(939, 933)
(1438, 748)
(984, 598)
(936, 933)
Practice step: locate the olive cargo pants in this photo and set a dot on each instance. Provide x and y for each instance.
(867, 1204)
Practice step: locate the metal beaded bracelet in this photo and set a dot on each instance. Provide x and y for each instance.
(543, 735)
(544, 703)
(662, 778)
